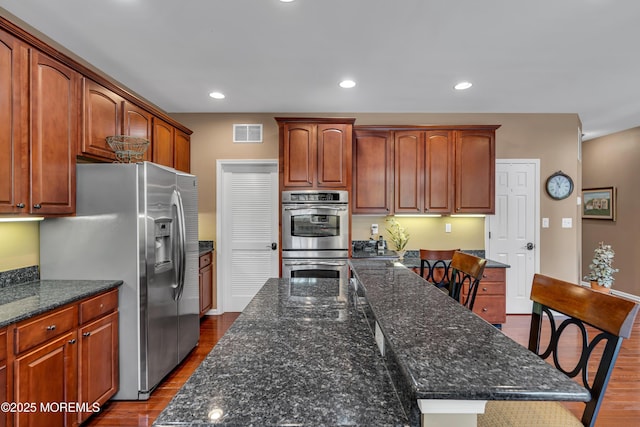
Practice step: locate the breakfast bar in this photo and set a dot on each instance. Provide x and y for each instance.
(385, 349)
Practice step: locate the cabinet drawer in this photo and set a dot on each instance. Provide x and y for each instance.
(43, 328)
(98, 306)
(487, 288)
(491, 308)
(494, 275)
(205, 259)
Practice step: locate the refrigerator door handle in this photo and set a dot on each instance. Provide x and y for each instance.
(182, 242)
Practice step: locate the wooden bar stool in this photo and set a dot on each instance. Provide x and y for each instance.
(608, 318)
(436, 265)
(465, 274)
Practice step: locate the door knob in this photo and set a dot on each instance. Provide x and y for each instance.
(274, 246)
(530, 246)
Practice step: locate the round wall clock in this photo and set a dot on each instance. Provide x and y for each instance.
(559, 186)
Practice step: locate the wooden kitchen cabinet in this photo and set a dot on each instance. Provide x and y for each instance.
(182, 151)
(4, 385)
(475, 159)
(206, 282)
(139, 123)
(69, 354)
(315, 153)
(102, 118)
(98, 350)
(490, 301)
(372, 172)
(408, 153)
(55, 109)
(14, 119)
(438, 175)
(163, 143)
(39, 105)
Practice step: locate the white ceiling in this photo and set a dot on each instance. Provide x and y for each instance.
(542, 56)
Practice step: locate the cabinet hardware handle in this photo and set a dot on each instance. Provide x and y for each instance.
(484, 309)
(20, 205)
(72, 341)
(484, 289)
(86, 334)
(37, 206)
(51, 328)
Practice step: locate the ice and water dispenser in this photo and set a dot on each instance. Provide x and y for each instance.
(164, 246)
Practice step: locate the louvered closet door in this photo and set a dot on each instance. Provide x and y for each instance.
(250, 226)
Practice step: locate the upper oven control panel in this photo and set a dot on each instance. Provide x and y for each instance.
(314, 196)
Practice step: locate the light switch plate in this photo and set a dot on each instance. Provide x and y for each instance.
(545, 222)
(447, 228)
(567, 223)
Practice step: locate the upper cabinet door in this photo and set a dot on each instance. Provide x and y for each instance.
(102, 118)
(372, 172)
(475, 160)
(438, 172)
(55, 109)
(334, 155)
(182, 151)
(138, 122)
(409, 149)
(14, 119)
(299, 149)
(163, 134)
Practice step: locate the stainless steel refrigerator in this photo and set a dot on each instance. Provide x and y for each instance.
(136, 222)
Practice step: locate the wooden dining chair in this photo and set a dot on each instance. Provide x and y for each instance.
(607, 318)
(435, 263)
(465, 272)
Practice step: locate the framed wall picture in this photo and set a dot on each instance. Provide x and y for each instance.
(599, 203)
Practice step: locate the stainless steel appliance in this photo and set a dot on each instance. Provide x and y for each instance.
(135, 222)
(315, 220)
(315, 234)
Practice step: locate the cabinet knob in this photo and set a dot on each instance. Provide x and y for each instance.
(484, 289)
(37, 206)
(86, 334)
(20, 205)
(51, 328)
(72, 341)
(485, 309)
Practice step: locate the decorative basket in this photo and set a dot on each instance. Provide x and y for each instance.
(128, 148)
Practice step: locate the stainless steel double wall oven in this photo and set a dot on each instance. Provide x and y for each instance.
(315, 234)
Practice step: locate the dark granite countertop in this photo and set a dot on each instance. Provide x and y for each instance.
(411, 258)
(299, 354)
(437, 349)
(205, 246)
(24, 300)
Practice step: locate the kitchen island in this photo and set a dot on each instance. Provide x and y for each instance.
(444, 359)
(299, 354)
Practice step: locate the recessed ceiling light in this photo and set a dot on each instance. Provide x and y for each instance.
(217, 95)
(347, 84)
(463, 86)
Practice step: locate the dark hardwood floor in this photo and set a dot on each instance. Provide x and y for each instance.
(621, 407)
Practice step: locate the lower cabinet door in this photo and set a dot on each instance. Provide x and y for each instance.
(47, 378)
(98, 363)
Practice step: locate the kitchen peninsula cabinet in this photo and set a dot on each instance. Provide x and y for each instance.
(490, 303)
(372, 172)
(4, 395)
(205, 282)
(315, 153)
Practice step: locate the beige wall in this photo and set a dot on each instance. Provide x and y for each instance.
(19, 245)
(552, 138)
(612, 161)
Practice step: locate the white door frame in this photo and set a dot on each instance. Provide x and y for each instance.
(221, 236)
(536, 242)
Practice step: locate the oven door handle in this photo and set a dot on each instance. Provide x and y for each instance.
(333, 264)
(307, 207)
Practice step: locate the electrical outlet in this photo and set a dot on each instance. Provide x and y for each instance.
(567, 223)
(447, 228)
(374, 228)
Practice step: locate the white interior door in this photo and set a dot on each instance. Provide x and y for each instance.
(513, 231)
(247, 226)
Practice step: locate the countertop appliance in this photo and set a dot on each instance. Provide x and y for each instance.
(136, 222)
(315, 234)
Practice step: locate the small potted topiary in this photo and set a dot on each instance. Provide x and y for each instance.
(601, 272)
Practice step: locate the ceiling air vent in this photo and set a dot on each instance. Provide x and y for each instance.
(247, 133)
